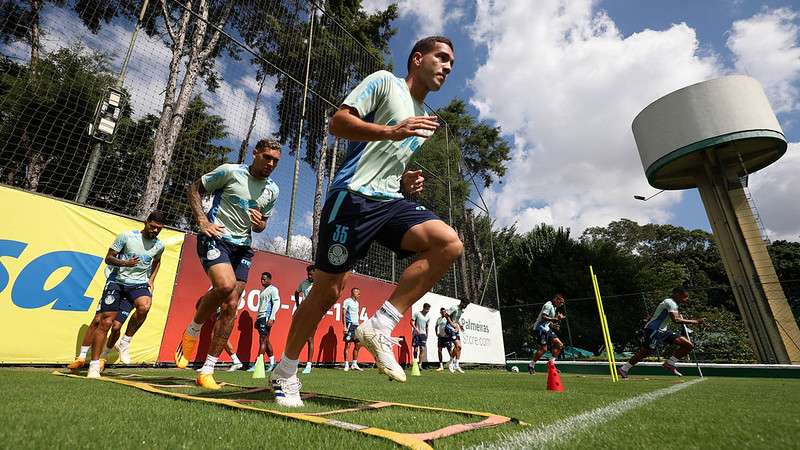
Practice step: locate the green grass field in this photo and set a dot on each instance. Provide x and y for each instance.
(42, 410)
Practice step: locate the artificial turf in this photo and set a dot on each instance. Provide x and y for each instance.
(42, 410)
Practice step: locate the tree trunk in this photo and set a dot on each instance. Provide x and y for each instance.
(465, 285)
(36, 7)
(246, 141)
(173, 113)
(323, 154)
(37, 163)
(479, 272)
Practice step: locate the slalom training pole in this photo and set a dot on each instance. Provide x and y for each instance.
(694, 355)
(604, 327)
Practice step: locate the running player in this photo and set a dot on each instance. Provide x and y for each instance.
(300, 294)
(419, 332)
(243, 198)
(351, 310)
(444, 340)
(269, 302)
(655, 333)
(385, 121)
(545, 335)
(453, 329)
(135, 257)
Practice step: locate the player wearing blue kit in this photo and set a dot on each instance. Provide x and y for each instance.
(244, 198)
(655, 333)
(350, 319)
(545, 333)
(385, 121)
(269, 303)
(453, 331)
(135, 257)
(419, 331)
(300, 294)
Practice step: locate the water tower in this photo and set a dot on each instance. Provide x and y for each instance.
(713, 135)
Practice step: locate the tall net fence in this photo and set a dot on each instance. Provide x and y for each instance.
(119, 105)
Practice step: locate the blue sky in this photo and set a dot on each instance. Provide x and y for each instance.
(564, 80)
(706, 39)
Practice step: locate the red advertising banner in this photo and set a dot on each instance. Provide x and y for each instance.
(287, 273)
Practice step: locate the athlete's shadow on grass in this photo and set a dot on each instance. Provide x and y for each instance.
(327, 347)
(262, 397)
(244, 347)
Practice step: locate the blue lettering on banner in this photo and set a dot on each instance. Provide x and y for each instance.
(68, 295)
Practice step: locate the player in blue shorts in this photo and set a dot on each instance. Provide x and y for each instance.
(350, 313)
(655, 333)
(243, 198)
(453, 329)
(269, 303)
(134, 257)
(300, 294)
(385, 121)
(444, 339)
(545, 333)
(419, 332)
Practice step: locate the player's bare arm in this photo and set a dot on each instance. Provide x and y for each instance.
(194, 194)
(112, 260)
(411, 182)
(677, 318)
(347, 124)
(257, 220)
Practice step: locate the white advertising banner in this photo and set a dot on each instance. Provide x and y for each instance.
(481, 331)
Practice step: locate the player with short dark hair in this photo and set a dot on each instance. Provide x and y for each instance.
(243, 198)
(545, 332)
(419, 331)
(655, 333)
(350, 318)
(443, 338)
(300, 294)
(269, 302)
(385, 120)
(135, 257)
(453, 329)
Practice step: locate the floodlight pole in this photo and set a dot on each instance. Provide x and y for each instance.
(94, 159)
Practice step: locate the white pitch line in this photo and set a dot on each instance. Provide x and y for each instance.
(568, 428)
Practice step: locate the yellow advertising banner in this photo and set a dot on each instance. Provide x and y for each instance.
(52, 276)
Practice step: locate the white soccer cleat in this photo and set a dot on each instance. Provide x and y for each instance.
(287, 391)
(671, 369)
(94, 372)
(458, 369)
(122, 349)
(381, 345)
(356, 367)
(346, 368)
(235, 367)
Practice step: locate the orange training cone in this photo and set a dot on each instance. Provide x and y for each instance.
(553, 378)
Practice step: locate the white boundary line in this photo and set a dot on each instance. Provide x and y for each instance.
(567, 428)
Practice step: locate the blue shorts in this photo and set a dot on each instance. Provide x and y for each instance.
(446, 342)
(653, 338)
(262, 327)
(545, 335)
(419, 340)
(119, 297)
(350, 335)
(350, 223)
(215, 251)
(451, 332)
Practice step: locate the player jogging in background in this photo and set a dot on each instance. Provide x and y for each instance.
(243, 198)
(385, 121)
(444, 340)
(419, 331)
(300, 294)
(269, 302)
(545, 334)
(350, 312)
(655, 333)
(453, 329)
(135, 257)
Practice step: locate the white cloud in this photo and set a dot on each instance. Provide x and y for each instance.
(300, 248)
(774, 191)
(765, 47)
(430, 16)
(563, 80)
